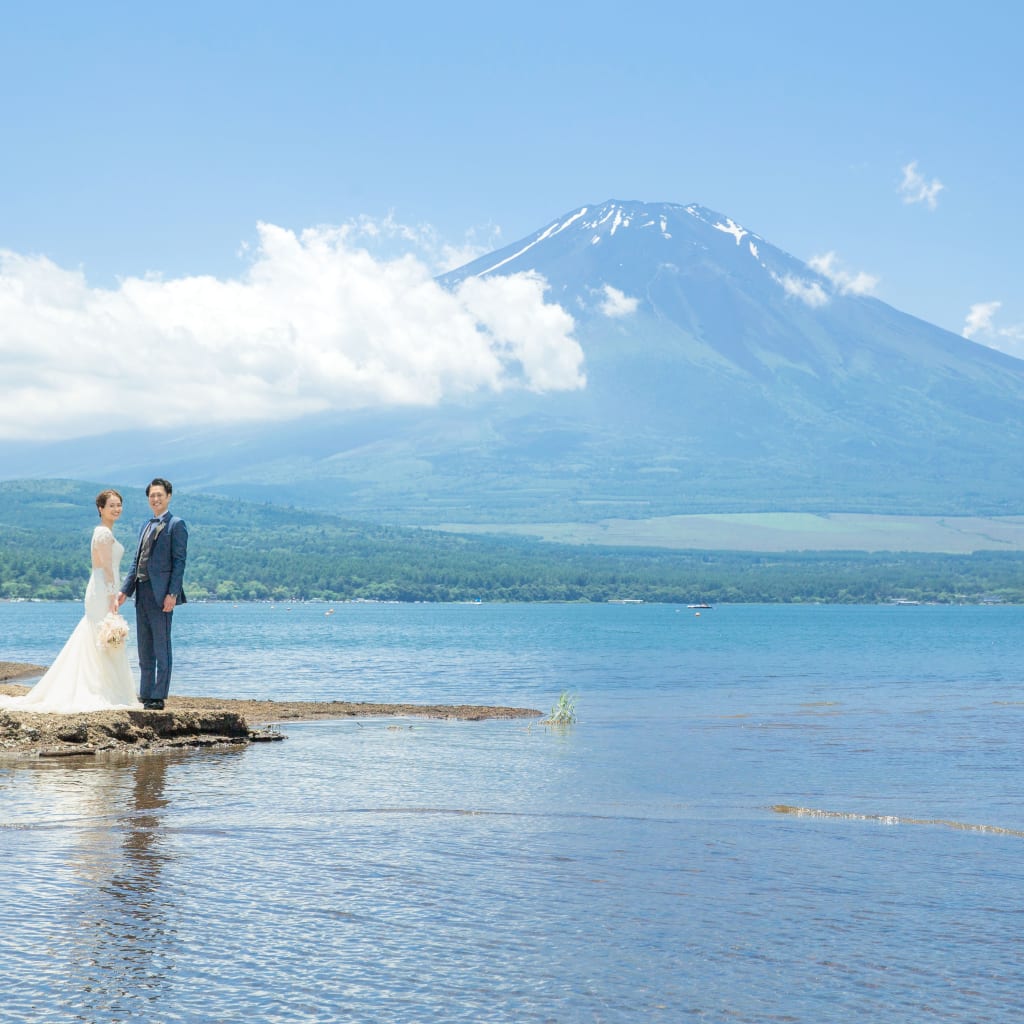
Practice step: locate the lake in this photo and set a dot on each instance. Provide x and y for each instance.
(631, 867)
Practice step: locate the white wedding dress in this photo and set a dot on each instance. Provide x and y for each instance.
(85, 677)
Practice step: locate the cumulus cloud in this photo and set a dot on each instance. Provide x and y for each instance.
(980, 326)
(616, 303)
(316, 322)
(809, 292)
(846, 283)
(916, 189)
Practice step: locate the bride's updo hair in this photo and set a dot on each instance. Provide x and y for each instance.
(104, 496)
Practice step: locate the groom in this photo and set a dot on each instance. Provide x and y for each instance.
(155, 579)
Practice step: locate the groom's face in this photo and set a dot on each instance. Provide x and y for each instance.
(158, 500)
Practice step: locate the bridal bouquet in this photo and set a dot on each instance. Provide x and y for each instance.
(112, 633)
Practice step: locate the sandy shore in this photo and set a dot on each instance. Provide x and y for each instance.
(191, 721)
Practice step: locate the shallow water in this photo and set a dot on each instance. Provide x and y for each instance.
(630, 868)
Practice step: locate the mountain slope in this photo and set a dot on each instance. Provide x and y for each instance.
(723, 375)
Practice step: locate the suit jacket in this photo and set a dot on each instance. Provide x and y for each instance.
(167, 556)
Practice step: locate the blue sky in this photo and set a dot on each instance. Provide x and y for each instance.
(154, 139)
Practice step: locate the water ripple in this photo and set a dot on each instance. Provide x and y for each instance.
(629, 869)
(892, 819)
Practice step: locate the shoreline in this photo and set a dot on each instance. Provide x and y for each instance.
(192, 721)
(19, 670)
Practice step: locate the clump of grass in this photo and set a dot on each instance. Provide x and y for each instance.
(564, 712)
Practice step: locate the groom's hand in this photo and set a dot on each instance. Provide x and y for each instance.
(169, 602)
(121, 598)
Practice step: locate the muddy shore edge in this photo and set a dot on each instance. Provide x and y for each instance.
(192, 721)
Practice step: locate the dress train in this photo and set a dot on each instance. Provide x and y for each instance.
(86, 676)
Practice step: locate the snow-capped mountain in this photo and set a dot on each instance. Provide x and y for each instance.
(617, 244)
(723, 374)
(728, 296)
(724, 359)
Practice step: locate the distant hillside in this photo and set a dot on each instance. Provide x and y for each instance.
(242, 551)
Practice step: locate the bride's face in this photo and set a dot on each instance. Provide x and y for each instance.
(110, 512)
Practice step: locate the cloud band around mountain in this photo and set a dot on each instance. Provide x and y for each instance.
(315, 323)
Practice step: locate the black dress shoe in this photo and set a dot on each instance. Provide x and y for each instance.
(153, 705)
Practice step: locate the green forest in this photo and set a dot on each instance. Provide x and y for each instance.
(241, 551)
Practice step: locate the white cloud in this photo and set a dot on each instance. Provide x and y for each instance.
(915, 189)
(525, 331)
(382, 237)
(980, 326)
(979, 318)
(840, 282)
(314, 323)
(616, 303)
(809, 292)
(846, 283)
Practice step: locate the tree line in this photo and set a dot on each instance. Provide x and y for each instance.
(240, 551)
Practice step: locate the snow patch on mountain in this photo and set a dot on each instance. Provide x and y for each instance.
(549, 232)
(730, 227)
(620, 216)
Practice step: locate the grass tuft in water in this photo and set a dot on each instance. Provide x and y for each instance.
(564, 712)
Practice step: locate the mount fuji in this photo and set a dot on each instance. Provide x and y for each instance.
(723, 375)
(728, 370)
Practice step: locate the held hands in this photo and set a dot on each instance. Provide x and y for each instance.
(169, 602)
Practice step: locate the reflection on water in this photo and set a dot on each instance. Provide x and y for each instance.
(487, 872)
(83, 855)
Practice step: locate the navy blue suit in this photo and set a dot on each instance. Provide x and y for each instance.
(165, 571)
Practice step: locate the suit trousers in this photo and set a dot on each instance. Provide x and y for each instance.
(153, 636)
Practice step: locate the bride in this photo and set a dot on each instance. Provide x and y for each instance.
(87, 675)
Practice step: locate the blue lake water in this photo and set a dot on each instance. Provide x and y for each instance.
(629, 868)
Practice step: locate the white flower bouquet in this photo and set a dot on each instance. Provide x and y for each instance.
(112, 633)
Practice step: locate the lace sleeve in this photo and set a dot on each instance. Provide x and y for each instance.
(103, 556)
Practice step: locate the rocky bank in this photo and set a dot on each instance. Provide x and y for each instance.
(190, 722)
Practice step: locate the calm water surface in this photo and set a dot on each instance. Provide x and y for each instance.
(630, 868)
